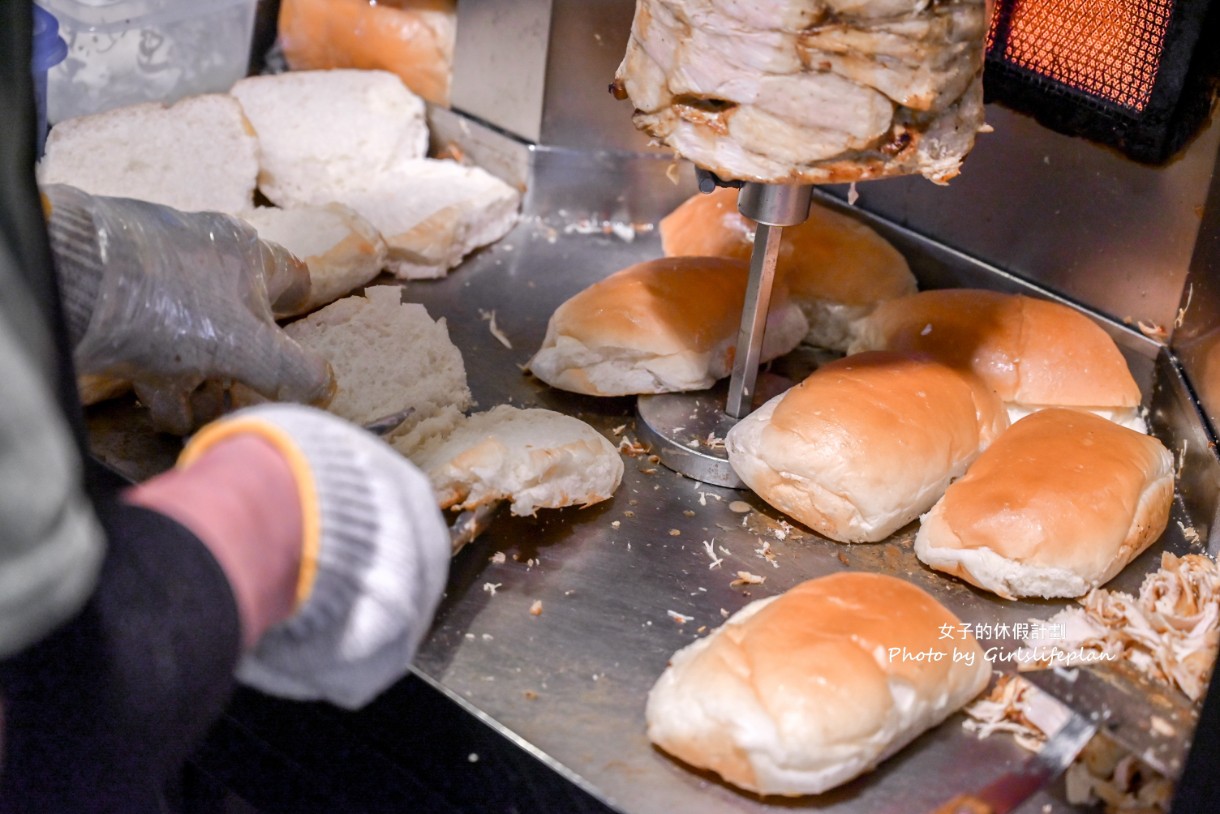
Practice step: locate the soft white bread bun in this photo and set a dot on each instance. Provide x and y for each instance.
(415, 42)
(196, 155)
(538, 459)
(836, 268)
(1057, 506)
(432, 213)
(389, 356)
(342, 250)
(865, 444)
(798, 693)
(661, 326)
(1035, 353)
(323, 132)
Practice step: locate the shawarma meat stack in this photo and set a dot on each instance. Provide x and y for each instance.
(809, 91)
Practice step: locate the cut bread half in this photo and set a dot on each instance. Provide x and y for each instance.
(432, 213)
(389, 356)
(326, 132)
(198, 154)
(536, 458)
(342, 250)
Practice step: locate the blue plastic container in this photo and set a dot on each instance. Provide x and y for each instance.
(49, 50)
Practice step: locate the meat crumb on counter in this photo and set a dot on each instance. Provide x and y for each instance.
(746, 578)
(680, 618)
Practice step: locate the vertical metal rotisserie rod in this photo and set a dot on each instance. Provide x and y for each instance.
(772, 206)
(753, 320)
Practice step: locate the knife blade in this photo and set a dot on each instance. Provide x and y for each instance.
(1153, 722)
(1012, 788)
(467, 525)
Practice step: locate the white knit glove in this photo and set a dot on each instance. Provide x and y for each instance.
(373, 565)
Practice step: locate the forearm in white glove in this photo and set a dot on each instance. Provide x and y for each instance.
(374, 561)
(169, 300)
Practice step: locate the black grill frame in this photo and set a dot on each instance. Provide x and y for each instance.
(1181, 100)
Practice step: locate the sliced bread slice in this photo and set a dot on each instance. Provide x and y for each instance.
(538, 459)
(342, 250)
(389, 356)
(198, 154)
(323, 132)
(432, 213)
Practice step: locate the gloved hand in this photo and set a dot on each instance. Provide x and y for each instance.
(374, 560)
(169, 300)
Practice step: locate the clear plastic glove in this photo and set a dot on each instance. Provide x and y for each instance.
(374, 560)
(169, 300)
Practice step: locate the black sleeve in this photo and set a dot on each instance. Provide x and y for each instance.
(99, 715)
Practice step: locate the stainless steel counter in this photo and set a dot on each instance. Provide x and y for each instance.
(617, 580)
(570, 684)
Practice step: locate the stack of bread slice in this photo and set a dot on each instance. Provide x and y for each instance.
(304, 140)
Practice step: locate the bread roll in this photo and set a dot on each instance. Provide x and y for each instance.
(1057, 506)
(661, 326)
(798, 693)
(433, 213)
(342, 250)
(538, 459)
(836, 268)
(414, 42)
(321, 133)
(865, 444)
(389, 356)
(197, 155)
(1035, 353)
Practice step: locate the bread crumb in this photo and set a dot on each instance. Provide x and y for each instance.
(498, 558)
(530, 695)
(536, 608)
(852, 195)
(1190, 533)
(746, 578)
(614, 524)
(617, 431)
(679, 617)
(674, 173)
(675, 532)
(739, 507)
(491, 587)
(724, 614)
(628, 514)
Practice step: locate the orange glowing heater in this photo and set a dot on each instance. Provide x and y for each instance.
(1136, 74)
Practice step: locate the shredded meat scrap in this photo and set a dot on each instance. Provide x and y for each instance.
(1169, 632)
(1104, 772)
